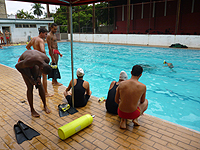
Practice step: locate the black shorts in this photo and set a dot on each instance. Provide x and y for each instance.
(78, 103)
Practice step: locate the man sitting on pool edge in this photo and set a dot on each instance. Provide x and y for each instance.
(82, 91)
(130, 96)
(111, 105)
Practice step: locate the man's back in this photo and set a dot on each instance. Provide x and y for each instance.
(131, 93)
(86, 85)
(34, 57)
(37, 44)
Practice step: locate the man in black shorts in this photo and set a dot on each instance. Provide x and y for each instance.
(31, 65)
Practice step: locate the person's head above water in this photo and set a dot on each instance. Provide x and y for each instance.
(123, 76)
(80, 73)
(164, 62)
(137, 70)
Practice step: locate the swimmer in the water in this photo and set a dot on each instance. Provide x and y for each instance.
(170, 65)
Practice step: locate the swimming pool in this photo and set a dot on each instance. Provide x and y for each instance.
(172, 93)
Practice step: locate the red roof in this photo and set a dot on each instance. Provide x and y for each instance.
(65, 2)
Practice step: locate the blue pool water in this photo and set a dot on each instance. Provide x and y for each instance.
(173, 94)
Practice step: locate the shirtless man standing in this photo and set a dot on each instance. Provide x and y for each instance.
(38, 44)
(7, 34)
(53, 48)
(130, 96)
(2, 37)
(30, 65)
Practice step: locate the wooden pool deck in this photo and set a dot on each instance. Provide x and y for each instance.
(103, 133)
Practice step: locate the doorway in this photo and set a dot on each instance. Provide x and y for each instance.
(4, 30)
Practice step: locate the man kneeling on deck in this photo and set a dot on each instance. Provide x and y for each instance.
(31, 64)
(130, 96)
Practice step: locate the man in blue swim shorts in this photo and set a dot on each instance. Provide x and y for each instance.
(130, 96)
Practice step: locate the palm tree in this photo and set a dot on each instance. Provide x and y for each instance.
(24, 15)
(21, 14)
(37, 9)
(29, 16)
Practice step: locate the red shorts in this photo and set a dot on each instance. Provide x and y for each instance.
(55, 51)
(1, 37)
(132, 115)
(7, 37)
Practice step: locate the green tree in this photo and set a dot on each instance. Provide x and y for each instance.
(101, 13)
(24, 15)
(82, 17)
(36, 7)
(29, 16)
(21, 14)
(60, 18)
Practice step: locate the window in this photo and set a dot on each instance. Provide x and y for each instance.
(32, 25)
(25, 25)
(18, 25)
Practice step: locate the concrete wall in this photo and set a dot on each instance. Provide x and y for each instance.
(63, 36)
(141, 39)
(3, 13)
(21, 34)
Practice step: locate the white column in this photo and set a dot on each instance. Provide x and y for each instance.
(132, 12)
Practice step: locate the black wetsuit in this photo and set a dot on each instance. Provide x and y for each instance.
(80, 99)
(111, 105)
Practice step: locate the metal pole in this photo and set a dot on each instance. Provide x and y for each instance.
(72, 65)
(128, 15)
(48, 16)
(177, 16)
(93, 18)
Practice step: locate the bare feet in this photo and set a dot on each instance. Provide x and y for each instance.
(57, 83)
(47, 110)
(48, 95)
(35, 114)
(123, 123)
(135, 121)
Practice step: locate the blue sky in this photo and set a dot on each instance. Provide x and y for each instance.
(13, 6)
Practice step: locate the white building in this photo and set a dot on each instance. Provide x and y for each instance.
(22, 29)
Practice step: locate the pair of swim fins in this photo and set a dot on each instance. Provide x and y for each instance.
(66, 109)
(24, 132)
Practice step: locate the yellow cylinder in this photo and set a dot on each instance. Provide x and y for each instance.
(74, 126)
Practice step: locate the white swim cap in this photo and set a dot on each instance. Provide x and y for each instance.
(80, 72)
(123, 75)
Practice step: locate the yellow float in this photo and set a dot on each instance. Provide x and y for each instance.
(74, 126)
